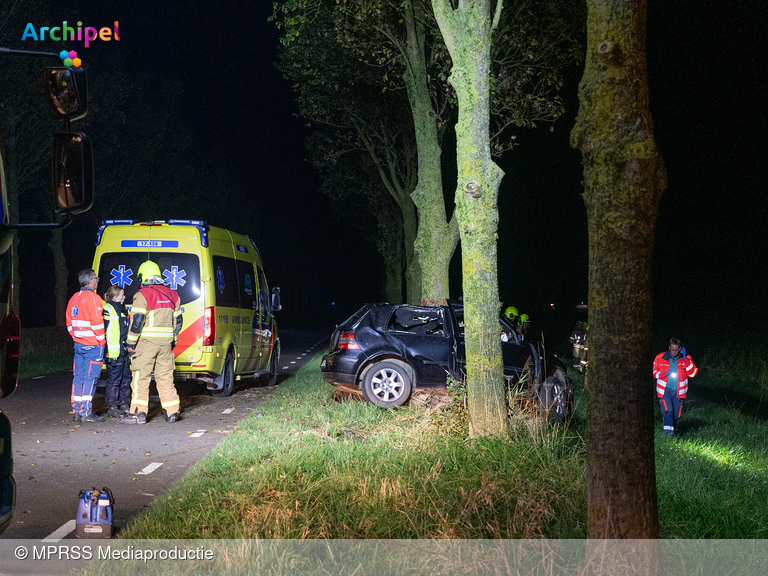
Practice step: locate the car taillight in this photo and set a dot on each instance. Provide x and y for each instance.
(347, 341)
(209, 327)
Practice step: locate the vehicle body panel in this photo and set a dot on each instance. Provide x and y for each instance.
(429, 339)
(210, 268)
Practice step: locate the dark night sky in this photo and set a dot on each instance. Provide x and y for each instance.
(707, 78)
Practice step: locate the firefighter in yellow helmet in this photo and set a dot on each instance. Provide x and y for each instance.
(155, 326)
(509, 329)
(522, 328)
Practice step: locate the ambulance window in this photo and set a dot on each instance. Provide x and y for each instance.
(225, 282)
(248, 287)
(180, 271)
(263, 292)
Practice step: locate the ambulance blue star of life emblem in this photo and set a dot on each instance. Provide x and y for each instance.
(75, 311)
(220, 280)
(175, 277)
(121, 276)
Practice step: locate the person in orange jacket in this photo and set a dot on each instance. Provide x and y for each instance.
(672, 369)
(85, 323)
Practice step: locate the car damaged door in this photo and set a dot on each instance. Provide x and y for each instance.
(420, 334)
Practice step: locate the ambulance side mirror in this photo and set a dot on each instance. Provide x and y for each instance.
(65, 91)
(72, 173)
(276, 306)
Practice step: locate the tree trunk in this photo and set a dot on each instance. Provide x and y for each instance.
(467, 33)
(412, 266)
(623, 179)
(436, 239)
(61, 273)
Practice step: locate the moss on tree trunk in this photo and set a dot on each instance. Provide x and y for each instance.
(623, 179)
(467, 33)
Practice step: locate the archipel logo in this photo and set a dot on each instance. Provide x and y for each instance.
(67, 33)
(70, 58)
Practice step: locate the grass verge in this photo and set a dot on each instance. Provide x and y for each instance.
(307, 466)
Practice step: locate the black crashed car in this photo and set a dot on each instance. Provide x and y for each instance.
(388, 350)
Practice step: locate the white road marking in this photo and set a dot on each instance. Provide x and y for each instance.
(286, 367)
(227, 411)
(197, 434)
(151, 468)
(293, 362)
(37, 377)
(59, 533)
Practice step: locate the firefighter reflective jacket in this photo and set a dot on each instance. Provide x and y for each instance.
(116, 325)
(685, 368)
(85, 320)
(156, 314)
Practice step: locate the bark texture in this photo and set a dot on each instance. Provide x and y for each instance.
(437, 238)
(467, 34)
(623, 179)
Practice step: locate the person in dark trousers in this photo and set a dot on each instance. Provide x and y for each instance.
(118, 389)
(672, 369)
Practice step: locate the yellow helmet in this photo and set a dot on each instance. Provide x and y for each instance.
(524, 318)
(149, 270)
(511, 312)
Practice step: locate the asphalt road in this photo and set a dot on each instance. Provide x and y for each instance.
(55, 458)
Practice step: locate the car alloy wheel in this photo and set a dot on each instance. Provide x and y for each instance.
(387, 384)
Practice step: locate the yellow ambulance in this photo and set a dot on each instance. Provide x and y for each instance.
(229, 329)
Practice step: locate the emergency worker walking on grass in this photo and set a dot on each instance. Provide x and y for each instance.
(672, 369)
(85, 324)
(155, 325)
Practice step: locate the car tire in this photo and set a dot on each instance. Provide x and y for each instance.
(387, 384)
(272, 374)
(227, 377)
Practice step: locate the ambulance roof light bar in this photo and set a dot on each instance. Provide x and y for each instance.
(105, 223)
(201, 225)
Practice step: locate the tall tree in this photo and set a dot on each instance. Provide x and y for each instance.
(623, 179)
(402, 44)
(467, 33)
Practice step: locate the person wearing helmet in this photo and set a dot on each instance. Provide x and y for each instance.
(580, 348)
(509, 327)
(522, 328)
(154, 328)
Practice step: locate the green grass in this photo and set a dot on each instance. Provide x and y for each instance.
(45, 350)
(312, 467)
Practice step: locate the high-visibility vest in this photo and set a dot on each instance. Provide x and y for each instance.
(112, 321)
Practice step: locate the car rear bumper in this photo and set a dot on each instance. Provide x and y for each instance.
(340, 368)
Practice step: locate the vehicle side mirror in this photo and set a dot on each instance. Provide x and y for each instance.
(72, 173)
(65, 91)
(276, 306)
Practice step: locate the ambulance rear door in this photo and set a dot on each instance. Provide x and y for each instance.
(181, 272)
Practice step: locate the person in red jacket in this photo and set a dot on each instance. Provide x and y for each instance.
(85, 323)
(672, 369)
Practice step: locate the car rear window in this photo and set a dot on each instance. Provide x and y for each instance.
(180, 271)
(352, 321)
